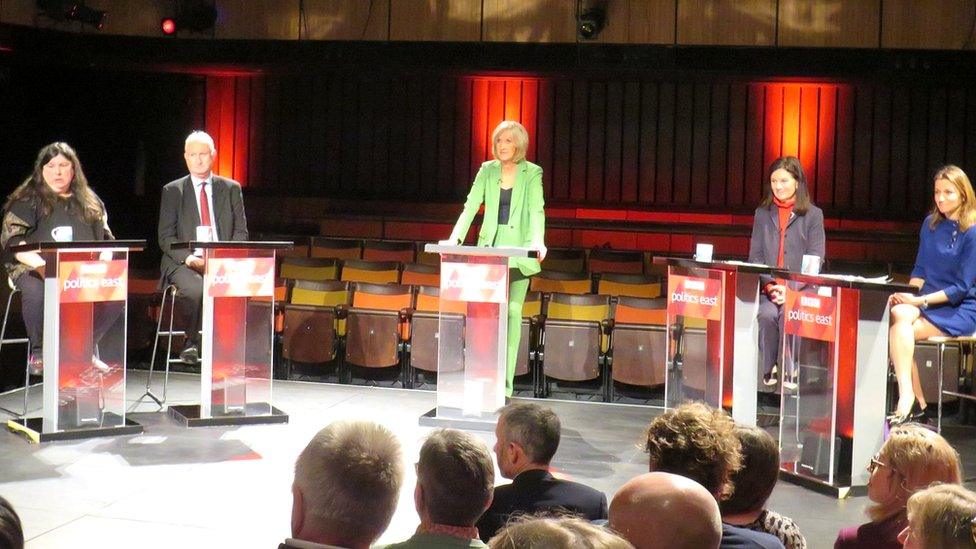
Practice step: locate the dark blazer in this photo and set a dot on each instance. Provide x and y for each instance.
(804, 236)
(537, 490)
(734, 537)
(179, 217)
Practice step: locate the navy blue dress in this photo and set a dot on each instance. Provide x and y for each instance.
(947, 261)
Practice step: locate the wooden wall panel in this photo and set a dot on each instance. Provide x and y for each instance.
(430, 20)
(829, 23)
(521, 21)
(639, 22)
(260, 19)
(345, 19)
(927, 24)
(727, 22)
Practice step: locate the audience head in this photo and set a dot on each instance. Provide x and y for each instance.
(455, 479)
(696, 441)
(347, 482)
(527, 436)
(531, 532)
(11, 531)
(954, 189)
(941, 517)
(912, 458)
(513, 133)
(755, 481)
(666, 510)
(786, 181)
(199, 153)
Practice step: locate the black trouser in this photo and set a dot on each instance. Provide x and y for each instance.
(32, 309)
(770, 319)
(189, 298)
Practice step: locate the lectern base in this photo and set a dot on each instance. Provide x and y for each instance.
(839, 492)
(253, 414)
(454, 419)
(33, 429)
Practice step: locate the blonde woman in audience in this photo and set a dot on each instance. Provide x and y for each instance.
(537, 532)
(941, 517)
(911, 459)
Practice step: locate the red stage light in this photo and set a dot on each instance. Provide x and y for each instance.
(168, 26)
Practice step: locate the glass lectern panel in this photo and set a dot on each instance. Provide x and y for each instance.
(92, 290)
(472, 333)
(695, 340)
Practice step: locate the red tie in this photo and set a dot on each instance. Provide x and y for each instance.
(204, 206)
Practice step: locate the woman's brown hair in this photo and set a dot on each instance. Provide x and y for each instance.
(42, 196)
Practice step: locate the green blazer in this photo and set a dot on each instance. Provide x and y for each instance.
(526, 226)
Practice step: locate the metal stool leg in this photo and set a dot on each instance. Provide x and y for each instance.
(21, 340)
(168, 293)
(938, 421)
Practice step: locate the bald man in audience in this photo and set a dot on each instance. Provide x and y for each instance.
(668, 511)
(347, 483)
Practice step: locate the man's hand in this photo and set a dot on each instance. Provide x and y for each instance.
(777, 294)
(195, 263)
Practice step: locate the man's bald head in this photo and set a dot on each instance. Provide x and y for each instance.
(665, 510)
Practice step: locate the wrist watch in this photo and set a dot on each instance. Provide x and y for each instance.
(925, 302)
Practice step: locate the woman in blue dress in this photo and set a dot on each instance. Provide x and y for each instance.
(945, 273)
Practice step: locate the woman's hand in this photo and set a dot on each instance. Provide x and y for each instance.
(903, 297)
(777, 294)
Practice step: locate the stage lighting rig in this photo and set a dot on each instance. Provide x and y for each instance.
(69, 10)
(191, 15)
(591, 19)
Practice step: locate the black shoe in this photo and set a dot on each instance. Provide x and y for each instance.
(35, 364)
(918, 414)
(190, 354)
(769, 379)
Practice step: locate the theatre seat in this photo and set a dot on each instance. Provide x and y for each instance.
(604, 260)
(572, 343)
(559, 282)
(371, 272)
(376, 327)
(423, 334)
(418, 274)
(312, 328)
(336, 248)
(309, 268)
(401, 251)
(638, 342)
(633, 285)
(569, 260)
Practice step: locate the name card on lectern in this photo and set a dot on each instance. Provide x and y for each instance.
(810, 315)
(92, 281)
(695, 297)
(474, 282)
(240, 277)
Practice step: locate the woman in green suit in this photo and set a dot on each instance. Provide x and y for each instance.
(510, 188)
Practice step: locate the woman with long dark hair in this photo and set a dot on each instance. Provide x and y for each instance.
(54, 201)
(786, 227)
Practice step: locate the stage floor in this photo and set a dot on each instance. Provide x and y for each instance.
(230, 486)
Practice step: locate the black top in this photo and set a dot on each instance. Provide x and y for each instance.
(537, 490)
(23, 221)
(504, 206)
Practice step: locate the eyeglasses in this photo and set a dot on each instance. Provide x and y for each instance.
(875, 463)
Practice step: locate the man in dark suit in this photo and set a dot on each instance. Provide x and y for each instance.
(527, 438)
(199, 199)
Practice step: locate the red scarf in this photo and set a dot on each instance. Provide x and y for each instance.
(785, 208)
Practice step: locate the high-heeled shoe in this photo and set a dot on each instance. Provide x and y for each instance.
(897, 419)
(919, 414)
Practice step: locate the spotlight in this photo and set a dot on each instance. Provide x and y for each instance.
(591, 22)
(191, 15)
(68, 10)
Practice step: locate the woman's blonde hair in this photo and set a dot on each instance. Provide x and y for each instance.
(519, 135)
(542, 532)
(944, 517)
(967, 209)
(920, 457)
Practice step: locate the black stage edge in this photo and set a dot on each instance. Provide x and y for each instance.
(431, 419)
(33, 429)
(254, 414)
(839, 492)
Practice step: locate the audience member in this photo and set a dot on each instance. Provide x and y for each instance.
(941, 517)
(455, 477)
(754, 483)
(11, 531)
(912, 458)
(527, 438)
(697, 441)
(530, 532)
(663, 510)
(347, 482)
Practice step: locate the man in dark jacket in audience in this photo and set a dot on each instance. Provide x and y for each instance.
(527, 438)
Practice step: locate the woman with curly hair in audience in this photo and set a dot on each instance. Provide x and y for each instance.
(911, 459)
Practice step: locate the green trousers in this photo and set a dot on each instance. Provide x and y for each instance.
(518, 286)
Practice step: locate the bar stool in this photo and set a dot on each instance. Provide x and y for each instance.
(942, 342)
(4, 340)
(169, 293)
